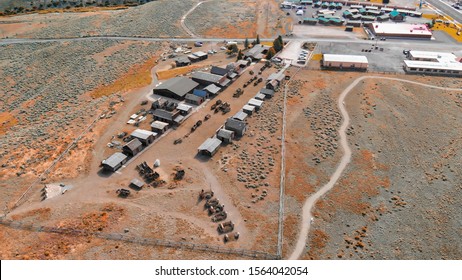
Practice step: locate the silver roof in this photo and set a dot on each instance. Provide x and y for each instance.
(210, 145)
(142, 134)
(115, 159)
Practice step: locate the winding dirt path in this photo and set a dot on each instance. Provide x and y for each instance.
(183, 18)
(310, 202)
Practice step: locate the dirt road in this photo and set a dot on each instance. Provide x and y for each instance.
(183, 18)
(310, 202)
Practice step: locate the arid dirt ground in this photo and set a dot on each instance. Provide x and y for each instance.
(398, 197)
(238, 19)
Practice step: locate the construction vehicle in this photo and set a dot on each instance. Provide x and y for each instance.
(179, 174)
(205, 195)
(123, 192)
(212, 202)
(225, 227)
(238, 92)
(217, 103)
(231, 237)
(216, 209)
(147, 172)
(220, 217)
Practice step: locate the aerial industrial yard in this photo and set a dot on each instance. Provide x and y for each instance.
(234, 129)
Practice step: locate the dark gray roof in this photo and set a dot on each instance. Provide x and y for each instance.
(219, 71)
(115, 159)
(224, 133)
(235, 125)
(182, 59)
(160, 113)
(178, 85)
(206, 77)
(267, 91)
(134, 144)
(193, 97)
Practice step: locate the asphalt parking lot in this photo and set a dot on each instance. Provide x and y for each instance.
(389, 59)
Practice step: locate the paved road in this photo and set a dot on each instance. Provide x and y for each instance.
(416, 44)
(447, 9)
(311, 201)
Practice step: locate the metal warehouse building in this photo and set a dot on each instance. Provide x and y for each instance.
(176, 88)
(340, 61)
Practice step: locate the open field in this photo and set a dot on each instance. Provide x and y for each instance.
(48, 95)
(398, 197)
(237, 19)
(155, 19)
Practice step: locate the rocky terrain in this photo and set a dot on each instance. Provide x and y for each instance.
(154, 19)
(399, 197)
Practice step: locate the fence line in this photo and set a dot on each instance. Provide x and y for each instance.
(139, 240)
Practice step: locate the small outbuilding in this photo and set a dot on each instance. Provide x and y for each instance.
(184, 109)
(202, 93)
(136, 184)
(239, 127)
(260, 96)
(241, 116)
(209, 147)
(396, 16)
(201, 55)
(212, 89)
(165, 116)
(226, 136)
(339, 61)
(114, 162)
(255, 103)
(182, 61)
(159, 127)
(133, 147)
(145, 136)
(267, 92)
(248, 109)
(194, 99)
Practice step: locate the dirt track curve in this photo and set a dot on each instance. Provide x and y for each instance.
(310, 201)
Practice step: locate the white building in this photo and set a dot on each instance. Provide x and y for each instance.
(340, 61)
(435, 63)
